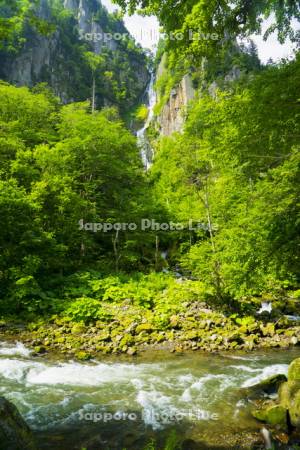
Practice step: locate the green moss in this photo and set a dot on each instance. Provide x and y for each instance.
(273, 415)
(83, 356)
(294, 370)
(294, 410)
(144, 327)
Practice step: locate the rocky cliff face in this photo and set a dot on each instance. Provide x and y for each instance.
(173, 115)
(57, 57)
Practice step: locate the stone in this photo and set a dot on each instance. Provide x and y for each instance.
(294, 370)
(273, 415)
(14, 432)
(144, 327)
(39, 349)
(132, 351)
(78, 328)
(127, 340)
(294, 410)
(174, 321)
(268, 386)
(287, 392)
(268, 329)
(83, 356)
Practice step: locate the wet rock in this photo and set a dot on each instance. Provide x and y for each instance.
(14, 432)
(268, 386)
(294, 370)
(294, 410)
(83, 356)
(272, 415)
(127, 340)
(147, 327)
(189, 444)
(39, 349)
(78, 328)
(282, 437)
(268, 330)
(132, 351)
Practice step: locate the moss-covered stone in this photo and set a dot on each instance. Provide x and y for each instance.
(14, 432)
(294, 370)
(268, 386)
(294, 410)
(268, 329)
(83, 356)
(273, 415)
(144, 327)
(78, 328)
(132, 351)
(127, 339)
(39, 349)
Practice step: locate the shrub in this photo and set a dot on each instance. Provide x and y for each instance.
(86, 310)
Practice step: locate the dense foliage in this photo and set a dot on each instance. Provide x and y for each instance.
(236, 170)
(224, 19)
(59, 166)
(66, 169)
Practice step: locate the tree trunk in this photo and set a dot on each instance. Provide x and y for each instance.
(94, 95)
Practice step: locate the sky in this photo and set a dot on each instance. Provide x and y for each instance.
(146, 32)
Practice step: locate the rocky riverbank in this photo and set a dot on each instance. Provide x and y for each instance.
(132, 330)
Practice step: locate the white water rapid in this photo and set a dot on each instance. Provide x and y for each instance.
(52, 393)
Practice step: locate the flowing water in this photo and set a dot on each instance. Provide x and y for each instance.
(143, 142)
(65, 399)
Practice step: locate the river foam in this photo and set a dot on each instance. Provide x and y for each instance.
(51, 394)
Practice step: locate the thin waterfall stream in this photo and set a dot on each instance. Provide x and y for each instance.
(143, 142)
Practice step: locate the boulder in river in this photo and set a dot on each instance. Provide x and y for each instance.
(268, 386)
(294, 370)
(287, 409)
(14, 432)
(273, 415)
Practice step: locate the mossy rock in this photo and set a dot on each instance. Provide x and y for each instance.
(268, 329)
(39, 349)
(132, 351)
(143, 337)
(273, 415)
(236, 338)
(294, 410)
(78, 328)
(144, 327)
(83, 356)
(294, 370)
(127, 339)
(14, 432)
(103, 336)
(287, 392)
(174, 321)
(157, 337)
(190, 335)
(268, 386)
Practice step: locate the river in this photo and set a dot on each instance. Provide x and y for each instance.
(67, 402)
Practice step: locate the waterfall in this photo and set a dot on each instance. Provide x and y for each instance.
(265, 307)
(143, 142)
(267, 438)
